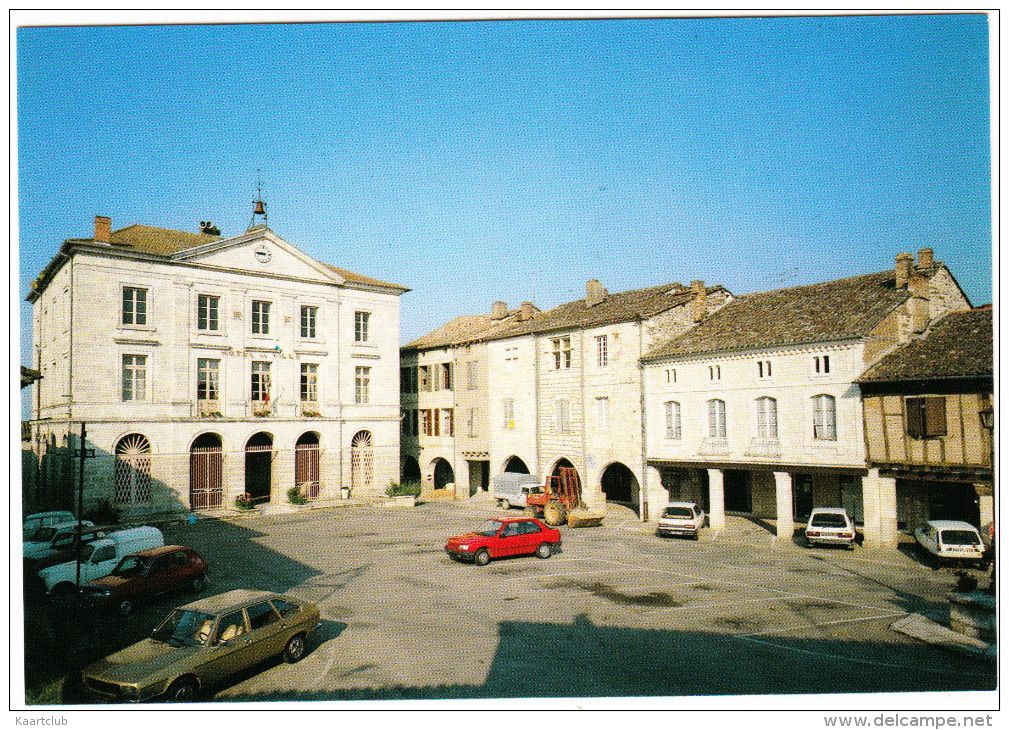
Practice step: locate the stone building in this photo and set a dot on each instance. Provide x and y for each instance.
(758, 411)
(563, 386)
(929, 425)
(206, 367)
(444, 384)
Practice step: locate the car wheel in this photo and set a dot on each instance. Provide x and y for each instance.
(63, 594)
(482, 557)
(543, 550)
(184, 689)
(197, 584)
(125, 607)
(696, 536)
(295, 648)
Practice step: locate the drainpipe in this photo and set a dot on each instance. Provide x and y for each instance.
(644, 426)
(581, 388)
(536, 402)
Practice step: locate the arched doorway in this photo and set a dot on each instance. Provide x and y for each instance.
(306, 464)
(259, 466)
(443, 474)
(133, 470)
(410, 473)
(361, 460)
(206, 456)
(515, 465)
(619, 484)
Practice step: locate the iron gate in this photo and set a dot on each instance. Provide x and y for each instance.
(361, 460)
(306, 469)
(205, 488)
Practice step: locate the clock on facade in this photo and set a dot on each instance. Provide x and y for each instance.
(263, 254)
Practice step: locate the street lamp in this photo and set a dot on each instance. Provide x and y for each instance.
(988, 418)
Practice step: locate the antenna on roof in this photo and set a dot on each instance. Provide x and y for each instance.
(260, 208)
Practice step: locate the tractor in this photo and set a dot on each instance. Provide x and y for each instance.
(560, 501)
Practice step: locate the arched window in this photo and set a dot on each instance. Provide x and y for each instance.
(672, 420)
(824, 428)
(361, 459)
(133, 470)
(716, 419)
(767, 418)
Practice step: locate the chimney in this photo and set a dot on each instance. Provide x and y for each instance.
(700, 303)
(499, 310)
(918, 304)
(594, 293)
(103, 229)
(902, 269)
(926, 260)
(527, 311)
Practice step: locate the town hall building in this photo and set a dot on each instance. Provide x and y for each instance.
(206, 367)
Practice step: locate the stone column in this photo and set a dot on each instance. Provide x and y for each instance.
(986, 505)
(716, 501)
(657, 495)
(783, 503)
(879, 510)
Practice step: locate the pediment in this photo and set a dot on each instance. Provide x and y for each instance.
(260, 252)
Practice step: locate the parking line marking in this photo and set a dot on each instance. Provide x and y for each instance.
(820, 625)
(747, 637)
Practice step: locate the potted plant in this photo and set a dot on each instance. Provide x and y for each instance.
(402, 494)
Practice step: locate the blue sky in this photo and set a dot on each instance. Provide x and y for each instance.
(515, 160)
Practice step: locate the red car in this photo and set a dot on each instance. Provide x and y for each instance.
(504, 536)
(148, 574)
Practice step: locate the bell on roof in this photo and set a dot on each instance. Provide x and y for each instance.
(260, 208)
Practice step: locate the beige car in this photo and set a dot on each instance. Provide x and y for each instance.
(204, 642)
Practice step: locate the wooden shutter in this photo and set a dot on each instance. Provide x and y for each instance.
(915, 425)
(935, 416)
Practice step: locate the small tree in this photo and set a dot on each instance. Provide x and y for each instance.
(295, 496)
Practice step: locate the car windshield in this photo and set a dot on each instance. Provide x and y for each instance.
(86, 551)
(828, 519)
(130, 566)
(959, 537)
(678, 512)
(488, 529)
(185, 628)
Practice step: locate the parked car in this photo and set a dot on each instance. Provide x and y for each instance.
(830, 526)
(146, 575)
(951, 541)
(511, 490)
(681, 518)
(498, 538)
(203, 643)
(55, 539)
(98, 559)
(33, 522)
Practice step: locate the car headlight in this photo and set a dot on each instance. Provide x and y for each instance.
(130, 690)
(464, 548)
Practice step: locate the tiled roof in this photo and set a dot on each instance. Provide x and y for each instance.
(834, 310)
(165, 242)
(467, 328)
(361, 278)
(958, 345)
(162, 241)
(624, 306)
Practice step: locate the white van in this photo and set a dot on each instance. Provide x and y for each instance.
(511, 490)
(99, 558)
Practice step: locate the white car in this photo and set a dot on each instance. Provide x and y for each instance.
(33, 522)
(681, 518)
(830, 526)
(951, 540)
